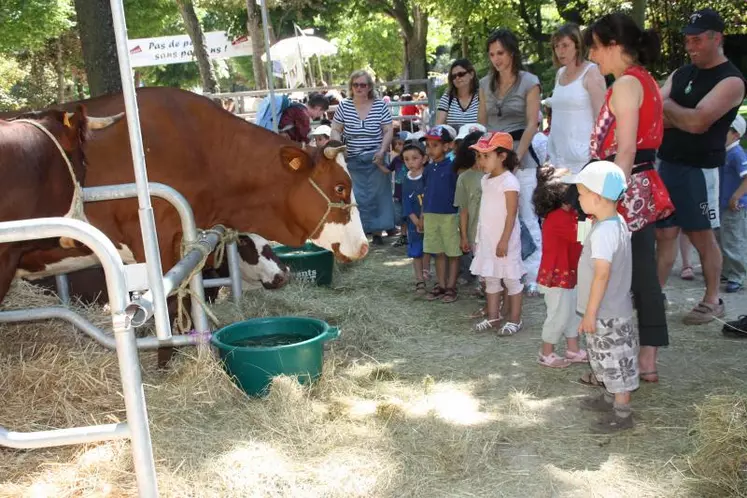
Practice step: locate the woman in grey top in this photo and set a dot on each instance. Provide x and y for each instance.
(510, 102)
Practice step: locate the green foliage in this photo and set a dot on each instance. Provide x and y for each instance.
(28, 24)
(148, 18)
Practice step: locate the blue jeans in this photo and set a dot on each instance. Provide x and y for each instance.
(373, 193)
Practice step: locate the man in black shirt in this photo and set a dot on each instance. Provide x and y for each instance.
(701, 100)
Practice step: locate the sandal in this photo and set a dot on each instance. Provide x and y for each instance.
(589, 379)
(426, 275)
(649, 376)
(486, 324)
(704, 313)
(687, 273)
(420, 288)
(553, 361)
(450, 295)
(579, 356)
(510, 328)
(436, 293)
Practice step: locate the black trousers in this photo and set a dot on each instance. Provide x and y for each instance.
(647, 296)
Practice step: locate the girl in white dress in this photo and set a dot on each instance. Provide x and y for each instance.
(498, 242)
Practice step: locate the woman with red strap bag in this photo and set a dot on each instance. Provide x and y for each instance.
(628, 131)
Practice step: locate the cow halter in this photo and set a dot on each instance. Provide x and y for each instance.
(330, 205)
(76, 205)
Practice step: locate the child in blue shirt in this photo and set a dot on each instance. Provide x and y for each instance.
(397, 166)
(733, 204)
(413, 191)
(440, 218)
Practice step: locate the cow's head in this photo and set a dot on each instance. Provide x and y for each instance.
(260, 264)
(324, 203)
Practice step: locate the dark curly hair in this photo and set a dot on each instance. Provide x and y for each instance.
(550, 193)
(464, 158)
(512, 160)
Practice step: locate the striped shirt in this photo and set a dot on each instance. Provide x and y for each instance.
(456, 116)
(362, 136)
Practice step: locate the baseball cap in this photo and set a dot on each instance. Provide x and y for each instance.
(739, 125)
(492, 140)
(322, 130)
(403, 135)
(466, 129)
(441, 132)
(415, 137)
(601, 177)
(704, 20)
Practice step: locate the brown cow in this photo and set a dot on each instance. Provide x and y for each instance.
(39, 182)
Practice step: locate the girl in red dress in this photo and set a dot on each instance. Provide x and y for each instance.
(557, 272)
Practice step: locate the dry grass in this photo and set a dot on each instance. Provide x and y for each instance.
(411, 403)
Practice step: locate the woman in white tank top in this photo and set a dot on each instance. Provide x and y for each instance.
(576, 101)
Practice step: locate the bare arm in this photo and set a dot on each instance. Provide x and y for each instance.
(597, 87)
(598, 288)
(482, 110)
(734, 200)
(441, 117)
(532, 112)
(665, 91)
(512, 208)
(728, 93)
(388, 131)
(626, 99)
(336, 131)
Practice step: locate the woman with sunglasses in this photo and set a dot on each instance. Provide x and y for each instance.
(459, 104)
(510, 102)
(365, 123)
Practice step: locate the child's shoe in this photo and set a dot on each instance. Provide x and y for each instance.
(553, 361)
(579, 356)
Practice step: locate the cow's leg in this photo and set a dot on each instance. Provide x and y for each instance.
(9, 257)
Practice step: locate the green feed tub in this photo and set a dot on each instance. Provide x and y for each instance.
(254, 351)
(308, 263)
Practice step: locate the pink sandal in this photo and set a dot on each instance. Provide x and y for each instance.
(579, 356)
(553, 361)
(687, 273)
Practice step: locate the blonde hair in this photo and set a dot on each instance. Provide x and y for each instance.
(369, 80)
(572, 32)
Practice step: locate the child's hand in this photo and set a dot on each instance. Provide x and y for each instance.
(419, 226)
(465, 245)
(734, 203)
(501, 250)
(588, 324)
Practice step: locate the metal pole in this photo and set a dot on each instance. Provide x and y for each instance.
(145, 211)
(63, 437)
(431, 95)
(234, 271)
(63, 288)
(270, 74)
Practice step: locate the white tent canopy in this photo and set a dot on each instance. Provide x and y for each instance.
(303, 46)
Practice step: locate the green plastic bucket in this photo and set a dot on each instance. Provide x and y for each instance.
(308, 263)
(254, 351)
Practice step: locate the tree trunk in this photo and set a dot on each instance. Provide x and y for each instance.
(639, 12)
(465, 45)
(199, 48)
(59, 68)
(99, 46)
(254, 29)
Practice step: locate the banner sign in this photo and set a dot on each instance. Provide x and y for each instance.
(178, 49)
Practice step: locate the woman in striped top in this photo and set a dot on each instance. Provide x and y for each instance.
(366, 125)
(459, 104)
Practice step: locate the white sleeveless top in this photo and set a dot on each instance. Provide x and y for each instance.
(572, 123)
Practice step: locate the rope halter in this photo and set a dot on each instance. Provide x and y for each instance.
(330, 205)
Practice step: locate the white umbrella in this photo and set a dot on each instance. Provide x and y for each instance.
(306, 46)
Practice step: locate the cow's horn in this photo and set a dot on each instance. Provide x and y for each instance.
(331, 152)
(95, 123)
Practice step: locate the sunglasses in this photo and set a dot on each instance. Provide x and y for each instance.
(360, 85)
(461, 74)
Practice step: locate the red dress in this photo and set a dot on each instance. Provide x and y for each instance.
(560, 250)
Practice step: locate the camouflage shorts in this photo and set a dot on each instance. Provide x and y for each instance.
(613, 354)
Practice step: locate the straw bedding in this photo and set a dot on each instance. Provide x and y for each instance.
(411, 403)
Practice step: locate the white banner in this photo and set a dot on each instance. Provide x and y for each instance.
(178, 49)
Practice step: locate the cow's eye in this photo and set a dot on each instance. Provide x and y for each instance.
(340, 189)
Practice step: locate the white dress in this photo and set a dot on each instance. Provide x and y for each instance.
(572, 123)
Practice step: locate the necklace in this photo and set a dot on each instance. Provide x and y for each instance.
(500, 101)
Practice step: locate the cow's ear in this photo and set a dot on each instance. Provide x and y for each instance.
(295, 159)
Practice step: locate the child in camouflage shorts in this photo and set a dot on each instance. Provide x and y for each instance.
(604, 299)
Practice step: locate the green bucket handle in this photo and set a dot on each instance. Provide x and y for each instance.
(330, 334)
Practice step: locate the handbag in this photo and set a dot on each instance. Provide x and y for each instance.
(646, 200)
(527, 242)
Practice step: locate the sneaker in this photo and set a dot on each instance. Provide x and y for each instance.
(400, 241)
(737, 328)
(732, 287)
(377, 240)
(597, 404)
(704, 313)
(611, 422)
